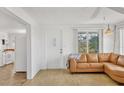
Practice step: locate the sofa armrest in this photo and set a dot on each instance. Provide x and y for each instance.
(73, 64)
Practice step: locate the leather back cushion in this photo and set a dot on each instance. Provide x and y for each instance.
(92, 58)
(121, 60)
(104, 57)
(83, 58)
(114, 58)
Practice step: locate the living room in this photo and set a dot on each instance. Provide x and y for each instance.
(68, 46)
(66, 33)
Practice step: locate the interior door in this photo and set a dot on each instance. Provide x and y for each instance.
(54, 49)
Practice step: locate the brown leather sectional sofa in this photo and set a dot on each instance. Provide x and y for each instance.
(110, 63)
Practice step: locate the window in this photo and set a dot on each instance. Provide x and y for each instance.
(88, 42)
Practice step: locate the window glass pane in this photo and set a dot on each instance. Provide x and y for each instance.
(93, 42)
(82, 42)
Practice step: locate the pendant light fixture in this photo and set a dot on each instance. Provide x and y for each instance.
(108, 31)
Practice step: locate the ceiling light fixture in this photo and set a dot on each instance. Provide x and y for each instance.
(108, 31)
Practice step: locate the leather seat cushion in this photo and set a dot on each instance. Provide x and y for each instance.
(92, 58)
(104, 57)
(114, 58)
(96, 65)
(114, 69)
(83, 65)
(82, 58)
(121, 60)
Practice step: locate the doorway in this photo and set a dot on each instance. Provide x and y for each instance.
(11, 24)
(12, 67)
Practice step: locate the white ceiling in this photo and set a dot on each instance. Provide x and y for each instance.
(9, 24)
(73, 15)
(61, 15)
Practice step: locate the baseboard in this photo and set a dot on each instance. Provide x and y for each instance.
(20, 72)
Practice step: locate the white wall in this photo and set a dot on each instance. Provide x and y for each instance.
(36, 49)
(67, 43)
(108, 43)
(11, 38)
(43, 49)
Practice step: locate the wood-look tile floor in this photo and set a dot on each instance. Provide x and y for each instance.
(8, 78)
(54, 78)
(64, 78)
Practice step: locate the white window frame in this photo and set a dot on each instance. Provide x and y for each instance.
(100, 32)
(87, 41)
